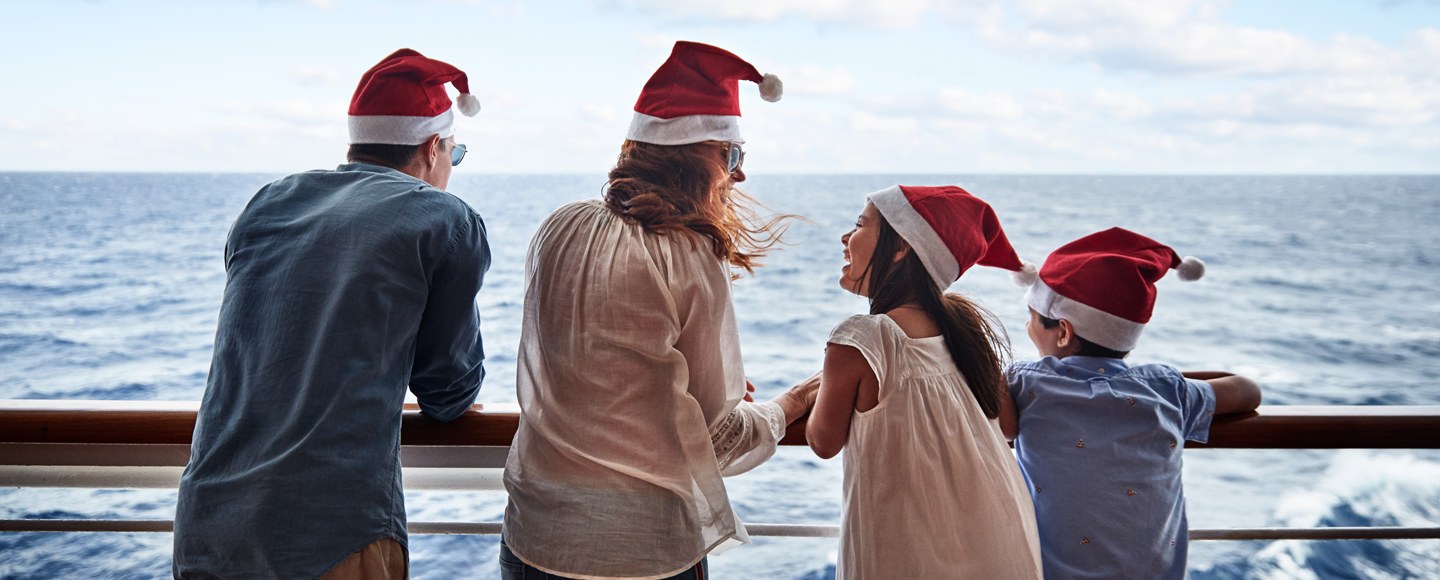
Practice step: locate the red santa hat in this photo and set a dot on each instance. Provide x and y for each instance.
(950, 230)
(1104, 284)
(695, 96)
(402, 100)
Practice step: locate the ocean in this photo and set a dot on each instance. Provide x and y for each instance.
(1322, 288)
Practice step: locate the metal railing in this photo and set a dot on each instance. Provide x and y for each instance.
(145, 444)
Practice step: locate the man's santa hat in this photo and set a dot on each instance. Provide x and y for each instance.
(950, 230)
(1104, 284)
(695, 96)
(402, 100)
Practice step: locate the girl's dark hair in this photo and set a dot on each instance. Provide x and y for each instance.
(392, 156)
(977, 342)
(684, 187)
(1087, 348)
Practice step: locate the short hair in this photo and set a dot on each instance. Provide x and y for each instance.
(392, 156)
(1087, 348)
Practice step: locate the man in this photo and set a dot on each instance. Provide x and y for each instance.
(343, 287)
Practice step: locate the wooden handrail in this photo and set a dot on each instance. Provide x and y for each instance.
(171, 423)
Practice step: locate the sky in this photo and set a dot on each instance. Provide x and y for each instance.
(871, 86)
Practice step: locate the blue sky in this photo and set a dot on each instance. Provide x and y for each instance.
(872, 86)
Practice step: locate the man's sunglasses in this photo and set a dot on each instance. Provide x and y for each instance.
(457, 154)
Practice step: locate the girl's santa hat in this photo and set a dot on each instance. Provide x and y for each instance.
(950, 230)
(1104, 284)
(695, 96)
(402, 100)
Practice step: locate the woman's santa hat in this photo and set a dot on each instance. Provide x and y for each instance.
(950, 230)
(1104, 284)
(402, 100)
(695, 96)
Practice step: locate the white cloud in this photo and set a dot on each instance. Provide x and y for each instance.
(863, 121)
(878, 13)
(983, 105)
(294, 111)
(600, 112)
(1169, 38)
(315, 75)
(1120, 105)
(812, 80)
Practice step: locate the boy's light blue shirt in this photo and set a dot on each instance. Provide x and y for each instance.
(1100, 444)
(343, 289)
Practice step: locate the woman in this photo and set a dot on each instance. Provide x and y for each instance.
(631, 386)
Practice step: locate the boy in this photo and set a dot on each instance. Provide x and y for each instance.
(1099, 440)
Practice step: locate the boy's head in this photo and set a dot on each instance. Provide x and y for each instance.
(1100, 287)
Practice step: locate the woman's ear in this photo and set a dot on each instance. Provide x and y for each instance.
(902, 251)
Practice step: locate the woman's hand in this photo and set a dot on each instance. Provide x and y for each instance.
(798, 401)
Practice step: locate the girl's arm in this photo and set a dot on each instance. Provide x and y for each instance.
(1233, 393)
(829, 424)
(1009, 420)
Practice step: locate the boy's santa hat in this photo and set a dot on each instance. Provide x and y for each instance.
(1104, 284)
(950, 230)
(695, 96)
(402, 100)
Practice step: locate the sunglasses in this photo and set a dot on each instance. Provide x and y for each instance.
(457, 154)
(735, 156)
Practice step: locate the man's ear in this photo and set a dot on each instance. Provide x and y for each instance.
(902, 251)
(430, 151)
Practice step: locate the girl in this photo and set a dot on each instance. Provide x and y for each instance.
(912, 392)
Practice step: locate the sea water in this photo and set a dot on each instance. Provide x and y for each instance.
(1322, 288)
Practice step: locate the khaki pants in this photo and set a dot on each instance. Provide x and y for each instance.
(380, 560)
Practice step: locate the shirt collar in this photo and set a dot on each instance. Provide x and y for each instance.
(1088, 365)
(372, 168)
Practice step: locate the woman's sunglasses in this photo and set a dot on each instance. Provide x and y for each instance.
(735, 156)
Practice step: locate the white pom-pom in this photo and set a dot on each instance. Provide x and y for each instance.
(468, 104)
(1190, 269)
(1026, 275)
(771, 88)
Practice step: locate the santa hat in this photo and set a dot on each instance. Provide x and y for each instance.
(950, 230)
(1104, 284)
(402, 100)
(695, 96)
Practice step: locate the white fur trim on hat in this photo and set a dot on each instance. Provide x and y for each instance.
(1190, 269)
(1027, 274)
(400, 130)
(933, 252)
(771, 88)
(468, 104)
(1093, 324)
(685, 129)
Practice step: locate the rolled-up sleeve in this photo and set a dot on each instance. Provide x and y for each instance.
(449, 353)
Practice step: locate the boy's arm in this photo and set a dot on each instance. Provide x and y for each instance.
(1233, 393)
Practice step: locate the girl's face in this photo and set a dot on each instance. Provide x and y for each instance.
(859, 247)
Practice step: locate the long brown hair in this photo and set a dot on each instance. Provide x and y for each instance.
(686, 187)
(977, 342)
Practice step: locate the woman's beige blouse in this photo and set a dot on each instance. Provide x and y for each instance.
(630, 386)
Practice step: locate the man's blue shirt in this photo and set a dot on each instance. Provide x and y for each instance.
(1100, 444)
(343, 289)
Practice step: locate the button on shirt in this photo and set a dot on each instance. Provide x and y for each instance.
(343, 288)
(1100, 444)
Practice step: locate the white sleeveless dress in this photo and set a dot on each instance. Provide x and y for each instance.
(931, 488)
